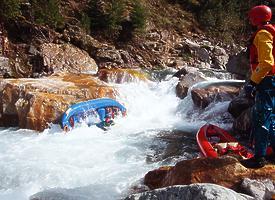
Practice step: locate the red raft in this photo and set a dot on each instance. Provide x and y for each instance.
(214, 142)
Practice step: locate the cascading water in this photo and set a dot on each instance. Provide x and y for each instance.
(88, 163)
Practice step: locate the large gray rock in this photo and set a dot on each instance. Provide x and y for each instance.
(261, 190)
(90, 192)
(204, 191)
(67, 58)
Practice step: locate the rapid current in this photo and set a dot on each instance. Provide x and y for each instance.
(90, 164)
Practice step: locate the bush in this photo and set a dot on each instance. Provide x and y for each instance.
(107, 17)
(9, 9)
(138, 15)
(225, 18)
(47, 13)
(85, 22)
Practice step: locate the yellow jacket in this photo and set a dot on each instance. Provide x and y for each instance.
(264, 44)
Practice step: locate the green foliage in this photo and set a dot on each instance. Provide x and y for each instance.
(138, 15)
(109, 17)
(85, 22)
(118, 17)
(223, 18)
(115, 16)
(9, 9)
(47, 13)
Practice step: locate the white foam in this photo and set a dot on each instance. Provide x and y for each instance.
(89, 163)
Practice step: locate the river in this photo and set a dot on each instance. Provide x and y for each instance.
(88, 163)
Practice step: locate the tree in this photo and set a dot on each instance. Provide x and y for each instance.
(9, 9)
(47, 13)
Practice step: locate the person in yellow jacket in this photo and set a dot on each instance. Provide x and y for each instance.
(262, 85)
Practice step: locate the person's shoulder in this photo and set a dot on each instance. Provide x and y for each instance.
(264, 34)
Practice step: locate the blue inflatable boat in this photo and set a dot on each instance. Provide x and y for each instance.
(93, 112)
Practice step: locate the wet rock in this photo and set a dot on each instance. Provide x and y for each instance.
(67, 58)
(121, 75)
(193, 191)
(187, 81)
(225, 171)
(239, 105)
(259, 189)
(202, 97)
(182, 72)
(181, 90)
(37, 102)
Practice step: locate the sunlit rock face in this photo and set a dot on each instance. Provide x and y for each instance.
(121, 75)
(34, 103)
(224, 171)
(68, 58)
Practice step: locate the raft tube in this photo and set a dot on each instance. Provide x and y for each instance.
(92, 107)
(214, 141)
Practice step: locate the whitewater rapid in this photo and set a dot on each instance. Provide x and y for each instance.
(88, 163)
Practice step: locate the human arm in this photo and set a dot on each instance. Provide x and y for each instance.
(264, 44)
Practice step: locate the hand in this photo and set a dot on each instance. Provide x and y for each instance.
(249, 90)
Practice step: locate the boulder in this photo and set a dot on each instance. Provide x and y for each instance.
(225, 171)
(202, 97)
(264, 189)
(193, 191)
(67, 58)
(239, 105)
(34, 103)
(186, 81)
(106, 56)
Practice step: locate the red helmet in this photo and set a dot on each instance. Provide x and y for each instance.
(259, 15)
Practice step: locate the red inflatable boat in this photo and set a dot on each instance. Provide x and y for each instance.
(214, 142)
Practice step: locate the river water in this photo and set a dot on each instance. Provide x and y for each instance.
(88, 163)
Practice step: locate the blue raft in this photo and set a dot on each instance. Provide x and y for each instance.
(102, 109)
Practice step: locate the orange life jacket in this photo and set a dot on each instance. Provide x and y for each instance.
(253, 50)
